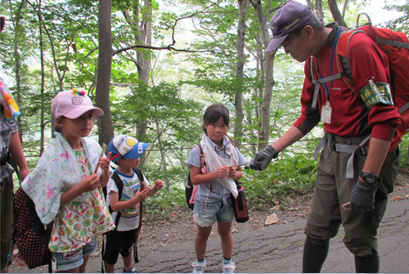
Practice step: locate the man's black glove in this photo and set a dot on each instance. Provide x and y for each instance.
(263, 158)
(363, 195)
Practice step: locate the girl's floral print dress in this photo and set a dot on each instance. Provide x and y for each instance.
(59, 169)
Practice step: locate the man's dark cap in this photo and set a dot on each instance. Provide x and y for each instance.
(288, 18)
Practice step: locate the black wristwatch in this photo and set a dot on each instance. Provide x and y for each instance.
(369, 177)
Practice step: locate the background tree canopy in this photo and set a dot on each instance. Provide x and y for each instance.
(154, 66)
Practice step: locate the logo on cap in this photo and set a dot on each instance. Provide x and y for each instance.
(76, 100)
(140, 148)
(292, 23)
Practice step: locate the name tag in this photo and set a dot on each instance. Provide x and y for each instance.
(326, 111)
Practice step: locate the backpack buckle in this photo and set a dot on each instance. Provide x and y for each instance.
(364, 150)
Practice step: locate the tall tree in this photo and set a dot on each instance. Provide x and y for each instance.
(139, 20)
(238, 102)
(336, 14)
(17, 67)
(268, 72)
(105, 128)
(318, 8)
(37, 8)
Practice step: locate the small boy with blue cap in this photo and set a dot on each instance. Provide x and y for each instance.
(126, 190)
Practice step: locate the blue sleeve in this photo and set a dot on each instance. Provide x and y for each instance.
(241, 158)
(194, 158)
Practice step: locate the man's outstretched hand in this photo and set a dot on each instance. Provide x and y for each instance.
(263, 158)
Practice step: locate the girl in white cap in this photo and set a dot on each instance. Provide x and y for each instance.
(66, 183)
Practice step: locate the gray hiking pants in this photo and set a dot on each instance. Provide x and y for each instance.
(333, 189)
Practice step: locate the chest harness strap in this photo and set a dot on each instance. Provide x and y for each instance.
(335, 146)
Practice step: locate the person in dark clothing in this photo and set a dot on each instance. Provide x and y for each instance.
(10, 146)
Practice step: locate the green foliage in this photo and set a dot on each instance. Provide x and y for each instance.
(160, 104)
(404, 150)
(171, 121)
(402, 22)
(167, 20)
(214, 81)
(201, 73)
(289, 175)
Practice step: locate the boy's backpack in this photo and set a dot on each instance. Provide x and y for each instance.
(30, 234)
(120, 185)
(191, 189)
(396, 46)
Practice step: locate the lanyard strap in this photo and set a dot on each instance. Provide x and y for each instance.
(330, 66)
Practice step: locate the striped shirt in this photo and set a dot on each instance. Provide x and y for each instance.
(7, 128)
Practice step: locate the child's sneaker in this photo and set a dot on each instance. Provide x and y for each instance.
(132, 270)
(228, 268)
(199, 267)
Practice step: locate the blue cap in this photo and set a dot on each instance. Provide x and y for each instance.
(124, 146)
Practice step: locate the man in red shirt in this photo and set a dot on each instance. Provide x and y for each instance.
(351, 169)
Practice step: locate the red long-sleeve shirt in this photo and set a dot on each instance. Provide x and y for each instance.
(350, 116)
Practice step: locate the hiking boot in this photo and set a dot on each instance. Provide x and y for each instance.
(228, 268)
(199, 267)
(132, 270)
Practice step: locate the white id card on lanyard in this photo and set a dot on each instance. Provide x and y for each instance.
(326, 111)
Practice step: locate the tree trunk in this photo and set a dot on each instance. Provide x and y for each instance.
(141, 25)
(336, 14)
(344, 8)
(318, 10)
(105, 128)
(17, 68)
(42, 110)
(310, 4)
(143, 61)
(266, 102)
(162, 156)
(238, 101)
(268, 67)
